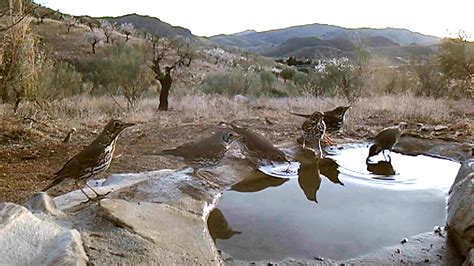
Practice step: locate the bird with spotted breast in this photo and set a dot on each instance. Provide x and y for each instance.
(334, 119)
(313, 131)
(259, 150)
(386, 140)
(93, 159)
(205, 153)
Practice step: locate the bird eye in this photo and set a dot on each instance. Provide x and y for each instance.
(116, 124)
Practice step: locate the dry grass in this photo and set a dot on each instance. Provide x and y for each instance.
(213, 109)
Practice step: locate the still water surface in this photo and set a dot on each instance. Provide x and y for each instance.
(337, 207)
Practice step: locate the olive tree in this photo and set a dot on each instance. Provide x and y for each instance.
(127, 29)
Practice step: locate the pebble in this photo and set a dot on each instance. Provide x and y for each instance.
(404, 241)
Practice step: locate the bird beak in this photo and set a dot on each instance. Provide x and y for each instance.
(125, 125)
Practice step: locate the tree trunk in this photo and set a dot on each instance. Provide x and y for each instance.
(93, 48)
(165, 82)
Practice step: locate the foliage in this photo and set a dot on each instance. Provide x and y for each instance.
(107, 28)
(238, 82)
(70, 22)
(127, 29)
(93, 38)
(287, 74)
(456, 62)
(124, 72)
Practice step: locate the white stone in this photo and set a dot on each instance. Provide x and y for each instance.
(28, 240)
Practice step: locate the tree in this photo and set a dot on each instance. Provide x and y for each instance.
(287, 74)
(124, 71)
(127, 29)
(107, 28)
(162, 49)
(70, 22)
(94, 37)
(456, 62)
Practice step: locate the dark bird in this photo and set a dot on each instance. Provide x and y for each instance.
(94, 159)
(313, 130)
(386, 140)
(334, 119)
(206, 152)
(258, 149)
(69, 135)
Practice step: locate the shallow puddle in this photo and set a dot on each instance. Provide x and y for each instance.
(337, 207)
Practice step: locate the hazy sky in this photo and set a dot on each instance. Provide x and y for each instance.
(210, 17)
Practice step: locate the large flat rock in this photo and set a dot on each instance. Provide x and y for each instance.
(26, 239)
(177, 233)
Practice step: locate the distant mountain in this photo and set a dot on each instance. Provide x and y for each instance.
(313, 37)
(152, 25)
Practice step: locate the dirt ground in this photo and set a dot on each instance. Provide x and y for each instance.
(31, 151)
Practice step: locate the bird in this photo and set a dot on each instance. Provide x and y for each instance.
(386, 140)
(334, 119)
(313, 130)
(93, 159)
(205, 153)
(69, 135)
(258, 149)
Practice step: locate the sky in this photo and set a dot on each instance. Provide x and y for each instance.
(212, 17)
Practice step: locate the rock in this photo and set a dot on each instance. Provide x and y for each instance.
(460, 221)
(27, 240)
(43, 203)
(181, 233)
(440, 127)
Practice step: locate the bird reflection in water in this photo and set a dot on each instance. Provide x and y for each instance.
(381, 168)
(310, 171)
(257, 181)
(218, 226)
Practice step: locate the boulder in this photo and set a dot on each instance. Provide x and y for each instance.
(460, 220)
(26, 239)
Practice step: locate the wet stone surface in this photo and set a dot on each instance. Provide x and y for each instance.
(337, 208)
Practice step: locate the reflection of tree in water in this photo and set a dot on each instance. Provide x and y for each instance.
(257, 181)
(383, 168)
(218, 226)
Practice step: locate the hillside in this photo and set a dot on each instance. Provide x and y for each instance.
(282, 42)
(152, 25)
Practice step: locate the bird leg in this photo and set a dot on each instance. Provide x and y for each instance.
(320, 151)
(97, 194)
(82, 190)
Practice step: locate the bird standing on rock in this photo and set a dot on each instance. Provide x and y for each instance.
(386, 140)
(334, 119)
(94, 159)
(313, 130)
(206, 152)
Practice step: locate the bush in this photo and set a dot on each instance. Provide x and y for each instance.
(244, 83)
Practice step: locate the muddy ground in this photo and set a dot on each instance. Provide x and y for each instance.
(31, 151)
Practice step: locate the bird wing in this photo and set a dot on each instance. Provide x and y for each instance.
(259, 146)
(204, 148)
(388, 137)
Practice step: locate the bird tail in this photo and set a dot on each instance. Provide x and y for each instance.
(170, 152)
(302, 115)
(56, 181)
